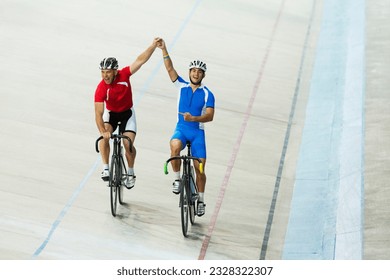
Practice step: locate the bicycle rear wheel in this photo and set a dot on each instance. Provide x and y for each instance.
(193, 198)
(192, 212)
(184, 207)
(114, 184)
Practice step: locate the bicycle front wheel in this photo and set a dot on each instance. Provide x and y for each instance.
(184, 207)
(123, 175)
(114, 184)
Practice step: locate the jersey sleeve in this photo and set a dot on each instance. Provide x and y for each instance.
(127, 71)
(210, 103)
(180, 82)
(100, 95)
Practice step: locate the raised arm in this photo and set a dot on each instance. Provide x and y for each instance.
(144, 57)
(167, 61)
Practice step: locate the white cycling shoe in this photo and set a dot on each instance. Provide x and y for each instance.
(201, 209)
(176, 187)
(130, 181)
(105, 175)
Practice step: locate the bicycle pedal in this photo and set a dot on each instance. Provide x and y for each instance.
(194, 197)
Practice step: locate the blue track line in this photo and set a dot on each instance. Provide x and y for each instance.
(65, 210)
(271, 212)
(78, 190)
(326, 210)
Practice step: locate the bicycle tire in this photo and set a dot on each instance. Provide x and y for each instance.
(192, 202)
(123, 175)
(114, 183)
(184, 207)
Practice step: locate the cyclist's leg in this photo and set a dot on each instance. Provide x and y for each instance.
(177, 143)
(104, 144)
(130, 156)
(200, 178)
(198, 148)
(130, 130)
(104, 147)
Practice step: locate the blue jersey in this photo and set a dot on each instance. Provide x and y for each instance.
(194, 103)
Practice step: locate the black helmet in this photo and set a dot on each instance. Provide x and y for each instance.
(109, 63)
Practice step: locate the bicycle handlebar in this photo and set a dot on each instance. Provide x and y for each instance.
(181, 158)
(114, 136)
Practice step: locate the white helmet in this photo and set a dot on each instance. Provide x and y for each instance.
(198, 64)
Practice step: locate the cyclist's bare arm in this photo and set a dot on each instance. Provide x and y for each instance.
(144, 56)
(208, 116)
(167, 61)
(99, 110)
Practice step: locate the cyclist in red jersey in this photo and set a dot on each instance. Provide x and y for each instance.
(114, 107)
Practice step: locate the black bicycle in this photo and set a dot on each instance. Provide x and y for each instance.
(188, 188)
(118, 170)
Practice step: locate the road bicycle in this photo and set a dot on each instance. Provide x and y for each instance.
(188, 188)
(118, 171)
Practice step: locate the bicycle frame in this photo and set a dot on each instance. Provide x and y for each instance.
(188, 188)
(118, 171)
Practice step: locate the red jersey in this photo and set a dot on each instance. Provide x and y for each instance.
(118, 95)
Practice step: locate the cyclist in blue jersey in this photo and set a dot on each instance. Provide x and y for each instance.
(195, 107)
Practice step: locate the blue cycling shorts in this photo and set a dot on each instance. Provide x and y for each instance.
(195, 136)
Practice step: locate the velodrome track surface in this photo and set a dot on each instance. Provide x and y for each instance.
(264, 66)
